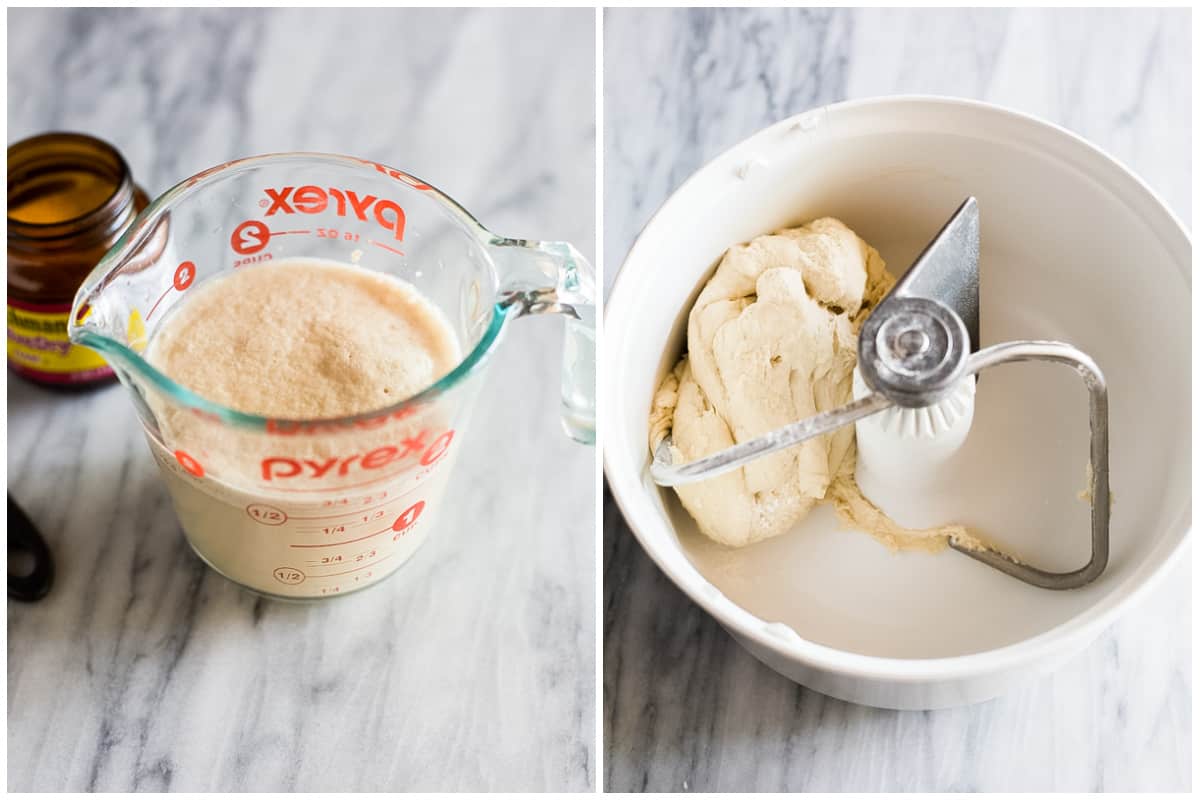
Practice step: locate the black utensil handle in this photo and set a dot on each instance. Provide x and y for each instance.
(23, 536)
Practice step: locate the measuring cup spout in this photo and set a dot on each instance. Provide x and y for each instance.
(102, 320)
(555, 278)
(111, 309)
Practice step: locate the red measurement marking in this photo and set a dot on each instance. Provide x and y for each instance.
(356, 569)
(156, 302)
(266, 515)
(288, 233)
(190, 464)
(325, 531)
(343, 513)
(347, 541)
(289, 575)
(385, 247)
(365, 519)
(185, 273)
(409, 516)
(250, 237)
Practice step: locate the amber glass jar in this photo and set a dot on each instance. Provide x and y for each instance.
(70, 197)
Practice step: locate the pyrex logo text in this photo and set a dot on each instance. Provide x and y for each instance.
(415, 446)
(315, 200)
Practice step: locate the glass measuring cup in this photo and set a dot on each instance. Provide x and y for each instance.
(305, 508)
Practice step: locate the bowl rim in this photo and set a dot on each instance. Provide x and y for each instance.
(631, 495)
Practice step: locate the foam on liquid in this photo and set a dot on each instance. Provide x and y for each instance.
(305, 339)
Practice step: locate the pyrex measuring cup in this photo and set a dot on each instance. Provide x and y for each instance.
(316, 508)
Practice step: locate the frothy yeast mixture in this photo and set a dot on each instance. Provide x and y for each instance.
(305, 339)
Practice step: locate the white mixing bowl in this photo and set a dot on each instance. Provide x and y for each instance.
(1074, 248)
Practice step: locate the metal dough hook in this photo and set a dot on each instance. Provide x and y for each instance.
(913, 349)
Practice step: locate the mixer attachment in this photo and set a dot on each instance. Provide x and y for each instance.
(917, 344)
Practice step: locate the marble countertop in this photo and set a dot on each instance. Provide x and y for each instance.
(711, 718)
(474, 667)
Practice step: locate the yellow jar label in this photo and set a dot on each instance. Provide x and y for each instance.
(38, 347)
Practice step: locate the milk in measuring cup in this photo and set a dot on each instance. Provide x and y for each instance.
(314, 508)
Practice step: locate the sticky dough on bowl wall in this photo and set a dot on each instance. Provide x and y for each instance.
(1073, 248)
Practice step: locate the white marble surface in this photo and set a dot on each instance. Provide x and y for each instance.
(474, 667)
(684, 706)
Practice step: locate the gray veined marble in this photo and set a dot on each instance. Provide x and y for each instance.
(684, 706)
(473, 668)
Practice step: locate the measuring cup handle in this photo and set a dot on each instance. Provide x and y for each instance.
(555, 278)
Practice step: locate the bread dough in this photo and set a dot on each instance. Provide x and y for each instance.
(773, 339)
